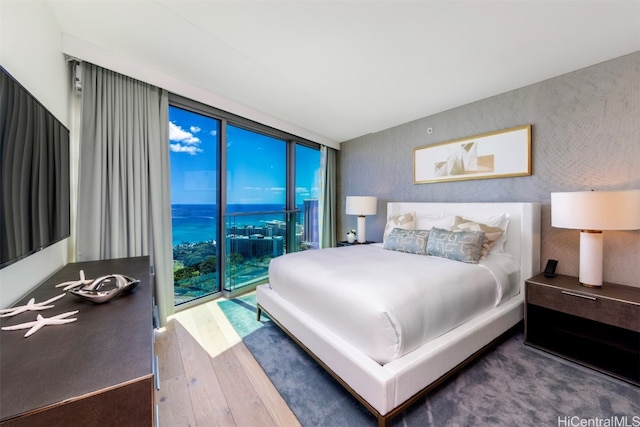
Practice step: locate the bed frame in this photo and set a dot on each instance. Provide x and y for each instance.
(386, 390)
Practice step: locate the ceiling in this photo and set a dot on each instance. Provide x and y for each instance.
(343, 69)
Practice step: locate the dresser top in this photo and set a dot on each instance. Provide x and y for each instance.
(108, 345)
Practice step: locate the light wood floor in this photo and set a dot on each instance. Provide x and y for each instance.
(208, 377)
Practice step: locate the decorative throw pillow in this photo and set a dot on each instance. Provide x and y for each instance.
(491, 234)
(405, 221)
(501, 221)
(410, 241)
(465, 246)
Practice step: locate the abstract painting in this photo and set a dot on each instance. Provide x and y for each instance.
(500, 154)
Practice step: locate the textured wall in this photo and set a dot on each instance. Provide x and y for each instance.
(585, 133)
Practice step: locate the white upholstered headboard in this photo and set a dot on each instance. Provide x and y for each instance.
(523, 234)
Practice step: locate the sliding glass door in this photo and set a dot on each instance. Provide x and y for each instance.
(256, 208)
(272, 203)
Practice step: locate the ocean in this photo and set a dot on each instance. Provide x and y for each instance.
(197, 223)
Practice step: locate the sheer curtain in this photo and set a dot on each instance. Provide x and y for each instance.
(328, 198)
(124, 207)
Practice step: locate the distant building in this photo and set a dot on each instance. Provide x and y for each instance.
(255, 246)
(248, 230)
(276, 228)
(311, 228)
(268, 238)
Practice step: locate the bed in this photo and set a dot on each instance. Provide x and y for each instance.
(355, 309)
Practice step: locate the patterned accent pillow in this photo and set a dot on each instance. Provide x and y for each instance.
(465, 246)
(410, 241)
(491, 234)
(405, 221)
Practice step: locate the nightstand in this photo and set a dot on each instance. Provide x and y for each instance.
(596, 327)
(345, 243)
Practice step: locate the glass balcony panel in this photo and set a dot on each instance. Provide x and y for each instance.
(252, 241)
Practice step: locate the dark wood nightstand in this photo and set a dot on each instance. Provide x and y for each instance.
(345, 243)
(596, 327)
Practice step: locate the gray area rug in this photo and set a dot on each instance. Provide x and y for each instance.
(512, 385)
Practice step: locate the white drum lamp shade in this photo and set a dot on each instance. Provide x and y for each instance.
(592, 212)
(361, 206)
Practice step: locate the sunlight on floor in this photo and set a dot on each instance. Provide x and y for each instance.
(208, 326)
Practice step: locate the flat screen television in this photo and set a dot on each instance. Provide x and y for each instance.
(34, 174)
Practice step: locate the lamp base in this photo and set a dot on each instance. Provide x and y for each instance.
(591, 258)
(362, 238)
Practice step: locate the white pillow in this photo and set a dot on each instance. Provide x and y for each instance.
(406, 221)
(435, 220)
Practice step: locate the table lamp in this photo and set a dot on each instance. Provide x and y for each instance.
(591, 212)
(361, 206)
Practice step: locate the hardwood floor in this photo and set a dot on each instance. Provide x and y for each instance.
(208, 377)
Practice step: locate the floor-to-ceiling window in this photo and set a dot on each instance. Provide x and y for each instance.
(242, 194)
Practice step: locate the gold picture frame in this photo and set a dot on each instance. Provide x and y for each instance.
(501, 154)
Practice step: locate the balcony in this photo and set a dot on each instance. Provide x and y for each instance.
(252, 240)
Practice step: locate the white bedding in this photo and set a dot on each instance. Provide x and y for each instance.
(403, 300)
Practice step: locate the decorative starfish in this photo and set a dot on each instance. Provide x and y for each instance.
(32, 305)
(72, 284)
(41, 322)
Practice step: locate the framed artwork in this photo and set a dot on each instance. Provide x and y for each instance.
(500, 154)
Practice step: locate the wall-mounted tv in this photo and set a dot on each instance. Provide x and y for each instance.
(34, 174)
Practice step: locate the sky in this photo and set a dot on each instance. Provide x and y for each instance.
(256, 164)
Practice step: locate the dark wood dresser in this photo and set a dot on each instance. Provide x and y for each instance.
(596, 327)
(96, 371)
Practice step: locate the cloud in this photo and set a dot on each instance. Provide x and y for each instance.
(176, 133)
(189, 149)
(194, 129)
(183, 141)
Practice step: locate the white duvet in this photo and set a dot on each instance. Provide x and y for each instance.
(389, 303)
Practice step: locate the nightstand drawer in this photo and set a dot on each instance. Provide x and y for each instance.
(586, 305)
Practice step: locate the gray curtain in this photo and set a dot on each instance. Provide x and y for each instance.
(328, 198)
(124, 207)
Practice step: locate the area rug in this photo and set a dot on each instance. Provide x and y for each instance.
(242, 314)
(512, 385)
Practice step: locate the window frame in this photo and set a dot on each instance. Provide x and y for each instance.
(226, 118)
